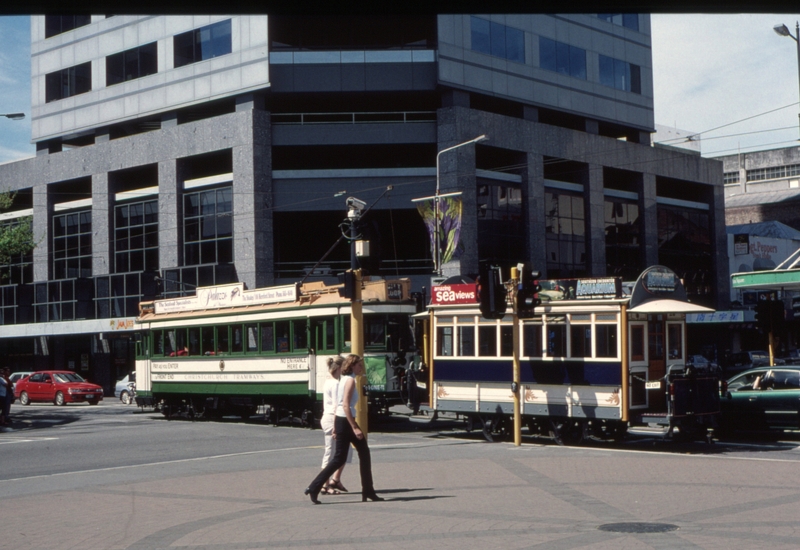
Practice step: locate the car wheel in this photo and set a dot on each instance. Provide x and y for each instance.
(59, 400)
(125, 397)
(24, 399)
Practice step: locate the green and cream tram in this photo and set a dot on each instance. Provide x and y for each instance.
(594, 361)
(227, 350)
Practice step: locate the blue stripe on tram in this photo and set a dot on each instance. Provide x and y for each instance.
(576, 373)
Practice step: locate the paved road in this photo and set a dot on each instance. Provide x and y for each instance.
(104, 477)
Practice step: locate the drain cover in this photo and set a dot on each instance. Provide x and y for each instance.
(638, 527)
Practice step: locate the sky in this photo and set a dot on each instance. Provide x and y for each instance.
(727, 77)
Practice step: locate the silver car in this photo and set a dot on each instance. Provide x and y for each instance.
(122, 389)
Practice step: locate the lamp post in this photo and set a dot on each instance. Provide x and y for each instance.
(14, 116)
(783, 30)
(436, 200)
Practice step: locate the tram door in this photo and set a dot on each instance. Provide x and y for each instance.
(657, 356)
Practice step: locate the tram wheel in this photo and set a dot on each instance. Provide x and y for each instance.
(566, 431)
(496, 428)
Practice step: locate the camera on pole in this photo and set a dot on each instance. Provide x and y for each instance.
(491, 291)
(528, 291)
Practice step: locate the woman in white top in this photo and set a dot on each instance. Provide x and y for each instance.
(329, 401)
(347, 432)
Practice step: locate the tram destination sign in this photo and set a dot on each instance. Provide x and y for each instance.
(214, 297)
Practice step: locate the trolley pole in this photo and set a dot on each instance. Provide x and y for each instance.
(515, 388)
(357, 348)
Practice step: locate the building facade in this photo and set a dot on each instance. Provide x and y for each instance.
(184, 151)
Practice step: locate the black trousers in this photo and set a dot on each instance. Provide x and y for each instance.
(344, 437)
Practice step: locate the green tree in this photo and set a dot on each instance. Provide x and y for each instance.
(16, 238)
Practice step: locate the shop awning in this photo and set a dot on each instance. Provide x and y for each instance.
(669, 306)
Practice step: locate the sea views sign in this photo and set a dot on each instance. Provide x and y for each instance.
(214, 297)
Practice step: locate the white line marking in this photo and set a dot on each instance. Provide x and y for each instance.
(10, 441)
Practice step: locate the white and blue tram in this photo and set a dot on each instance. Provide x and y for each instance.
(228, 350)
(594, 361)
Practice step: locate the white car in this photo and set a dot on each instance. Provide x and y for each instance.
(17, 376)
(122, 389)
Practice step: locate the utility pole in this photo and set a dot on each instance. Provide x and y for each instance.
(355, 208)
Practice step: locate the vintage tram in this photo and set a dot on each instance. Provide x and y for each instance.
(597, 359)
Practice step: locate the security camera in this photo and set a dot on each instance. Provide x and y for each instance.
(355, 204)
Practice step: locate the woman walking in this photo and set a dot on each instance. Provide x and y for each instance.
(345, 432)
(330, 395)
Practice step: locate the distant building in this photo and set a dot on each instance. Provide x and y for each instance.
(176, 151)
(667, 136)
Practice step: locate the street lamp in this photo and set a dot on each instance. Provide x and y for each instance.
(14, 116)
(437, 197)
(783, 30)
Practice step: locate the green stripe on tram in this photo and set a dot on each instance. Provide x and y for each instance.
(232, 388)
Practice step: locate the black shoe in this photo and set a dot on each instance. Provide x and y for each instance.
(371, 496)
(312, 494)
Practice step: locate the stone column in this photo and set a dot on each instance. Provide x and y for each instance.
(595, 221)
(533, 199)
(648, 211)
(42, 228)
(102, 225)
(253, 250)
(170, 214)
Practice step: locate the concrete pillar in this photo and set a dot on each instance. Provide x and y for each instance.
(253, 251)
(648, 211)
(102, 225)
(595, 221)
(170, 214)
(719, 248)
(42, 227)
(533, 198)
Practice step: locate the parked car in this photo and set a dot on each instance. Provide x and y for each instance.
(765, 398)
(59, 386)
(793, 357)
(700, 363)
(745, 360)
(16, 376)
(122, 389)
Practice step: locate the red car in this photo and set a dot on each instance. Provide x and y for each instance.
(58, 386)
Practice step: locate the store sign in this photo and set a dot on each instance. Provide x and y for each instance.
(232, 295)
(716, 317)
(741, 244)
(454, 294)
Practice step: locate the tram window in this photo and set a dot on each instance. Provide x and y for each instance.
(532, 340)
(637, 342)
(299, 334)
(345, 332)
(580, 340)
(252, 337)
(487, 341)
(556, 340)
(444, 341)
(267, 337)
(237, 339)
(675, 340)
(506, 340)
(170, 344)
(375, 332)
(605, 340)
(466, 341)
(656, 341)
(207, 341)
(330, 334)
(282, 336)
(158, 342)
(193, 347)
(223, 340)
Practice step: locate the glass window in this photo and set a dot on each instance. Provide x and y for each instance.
(299, 334)
(565, 235)
(497, 39)
(466, 341)
(580, 340)
(506, 340)
(203, 43)
(444, 341)
(620, 74)
(252, 338)
(208, 345)
(623, 238)
(132, 64)
(487, 341)
(282, 336)
(267, 337)
(330, 334)
(237, 339)
(68, 82)
(223, 340)
(605, 340)
(532, 340)
(637, 342)
(194, 341)
(208, 229)
(675, 340)
(501, 220)
(556, 339)
(136, 237)
(562, 58)
(72, 251)
(56, 24)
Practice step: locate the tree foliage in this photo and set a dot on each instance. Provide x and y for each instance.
(15, 238)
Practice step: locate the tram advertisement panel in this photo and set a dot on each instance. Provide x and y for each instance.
(580, 289)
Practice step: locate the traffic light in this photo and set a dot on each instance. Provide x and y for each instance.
(348, 281)
(528, 292)
(491, 291)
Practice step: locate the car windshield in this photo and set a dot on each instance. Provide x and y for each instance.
(68, 377)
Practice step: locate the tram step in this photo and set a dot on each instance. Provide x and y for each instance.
(648, 430)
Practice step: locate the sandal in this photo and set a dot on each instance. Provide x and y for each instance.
(336, 484)
(327, 489)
